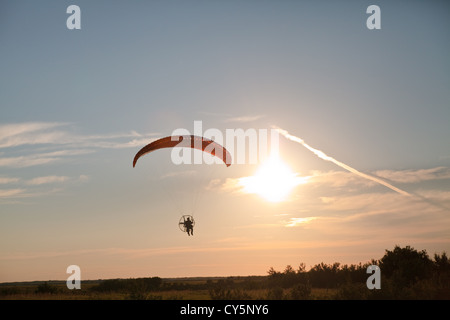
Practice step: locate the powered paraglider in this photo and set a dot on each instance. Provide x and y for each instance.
(187, 222)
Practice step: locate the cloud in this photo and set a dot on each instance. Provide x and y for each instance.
(245, 118)
(362, 210)
(34, 133)
(215, 114)
(114, 141)
(382, 211)
(83, 178)
(231, 185)
(12, 135)
(177, 174)
(23, 161)
(364, 201)
(37, 187)
(123, 253)
(8, 180)
(46, 180)
(59, 136)
(30, 144)
(40, 158)
(334, 193)
(11, 193)
(338, 179)
(294, 222)
(414, 176)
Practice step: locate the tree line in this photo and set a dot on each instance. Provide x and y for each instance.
(406, 273)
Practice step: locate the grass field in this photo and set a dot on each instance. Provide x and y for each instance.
(406, 274)
(195, 289)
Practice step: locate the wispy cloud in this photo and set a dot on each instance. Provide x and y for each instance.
(37, 186)
(338, 179)
(294, 222)
(10, 193)
(33, 133)
(5, 180)
(40, 158)
(17, 134)
(59, 136)
(405, 176)
(26, 161)
(413, 176)
(46, 180)
(177, 174)
(30, 144)
(214, 114)
(243, 119)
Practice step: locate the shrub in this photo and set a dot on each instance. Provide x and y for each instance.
(301, 291)
(275, 293)
(46, 288)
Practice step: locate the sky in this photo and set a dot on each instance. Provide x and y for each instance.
(363, 160)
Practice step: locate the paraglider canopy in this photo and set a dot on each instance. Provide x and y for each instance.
(194, 142)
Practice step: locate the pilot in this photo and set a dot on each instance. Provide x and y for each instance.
(189, 226)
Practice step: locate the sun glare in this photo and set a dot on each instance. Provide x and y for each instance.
(273, 181)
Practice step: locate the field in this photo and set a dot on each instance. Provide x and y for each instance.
(404, 273)
(176, 289)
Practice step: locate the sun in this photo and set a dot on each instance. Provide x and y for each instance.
(273, 180)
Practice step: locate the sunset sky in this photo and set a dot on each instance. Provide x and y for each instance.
(366, 166)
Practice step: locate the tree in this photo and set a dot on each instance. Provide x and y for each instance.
(406, 266)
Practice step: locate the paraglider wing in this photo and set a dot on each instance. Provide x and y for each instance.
(195, 142)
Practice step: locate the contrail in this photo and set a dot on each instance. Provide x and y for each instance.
(323, 156)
